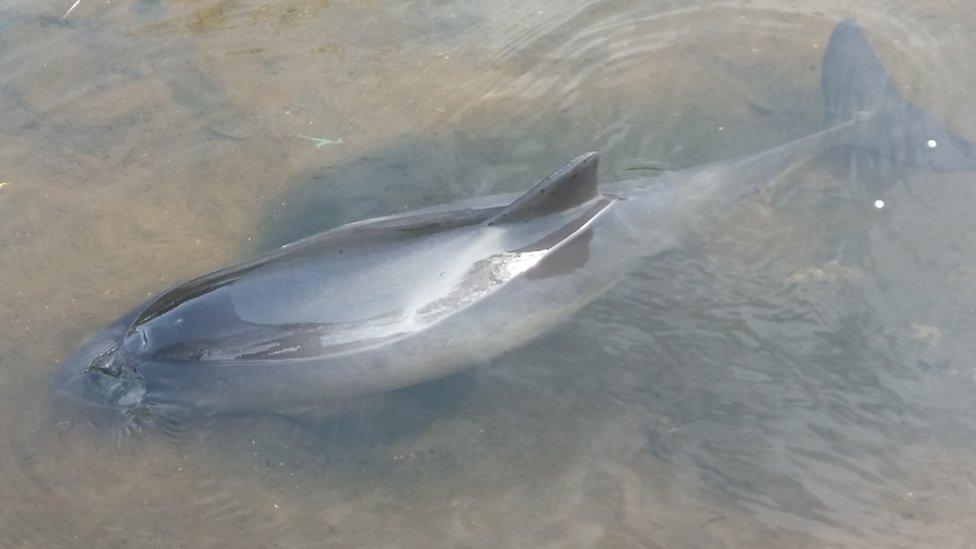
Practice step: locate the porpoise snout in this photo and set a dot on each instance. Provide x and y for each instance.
(100, 374)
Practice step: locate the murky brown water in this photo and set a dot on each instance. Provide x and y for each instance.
(804, 379)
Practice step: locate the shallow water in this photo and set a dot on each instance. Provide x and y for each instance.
(803, 377)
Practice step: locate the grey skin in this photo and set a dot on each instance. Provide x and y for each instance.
(395, 301)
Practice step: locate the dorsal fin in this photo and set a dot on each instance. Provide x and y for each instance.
(570, 185)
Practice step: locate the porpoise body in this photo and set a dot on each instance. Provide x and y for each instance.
(390, 302)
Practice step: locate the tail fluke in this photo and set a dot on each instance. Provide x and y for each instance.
(897, 132)
(853, 78)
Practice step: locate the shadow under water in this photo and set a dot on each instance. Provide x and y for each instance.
(800, 375)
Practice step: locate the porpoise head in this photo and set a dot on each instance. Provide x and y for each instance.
(102, 376)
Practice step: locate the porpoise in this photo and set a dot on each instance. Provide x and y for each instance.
(395, 301)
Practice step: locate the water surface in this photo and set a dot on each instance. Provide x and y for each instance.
(802, 377)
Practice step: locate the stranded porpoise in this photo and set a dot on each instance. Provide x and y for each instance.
(395, 301)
